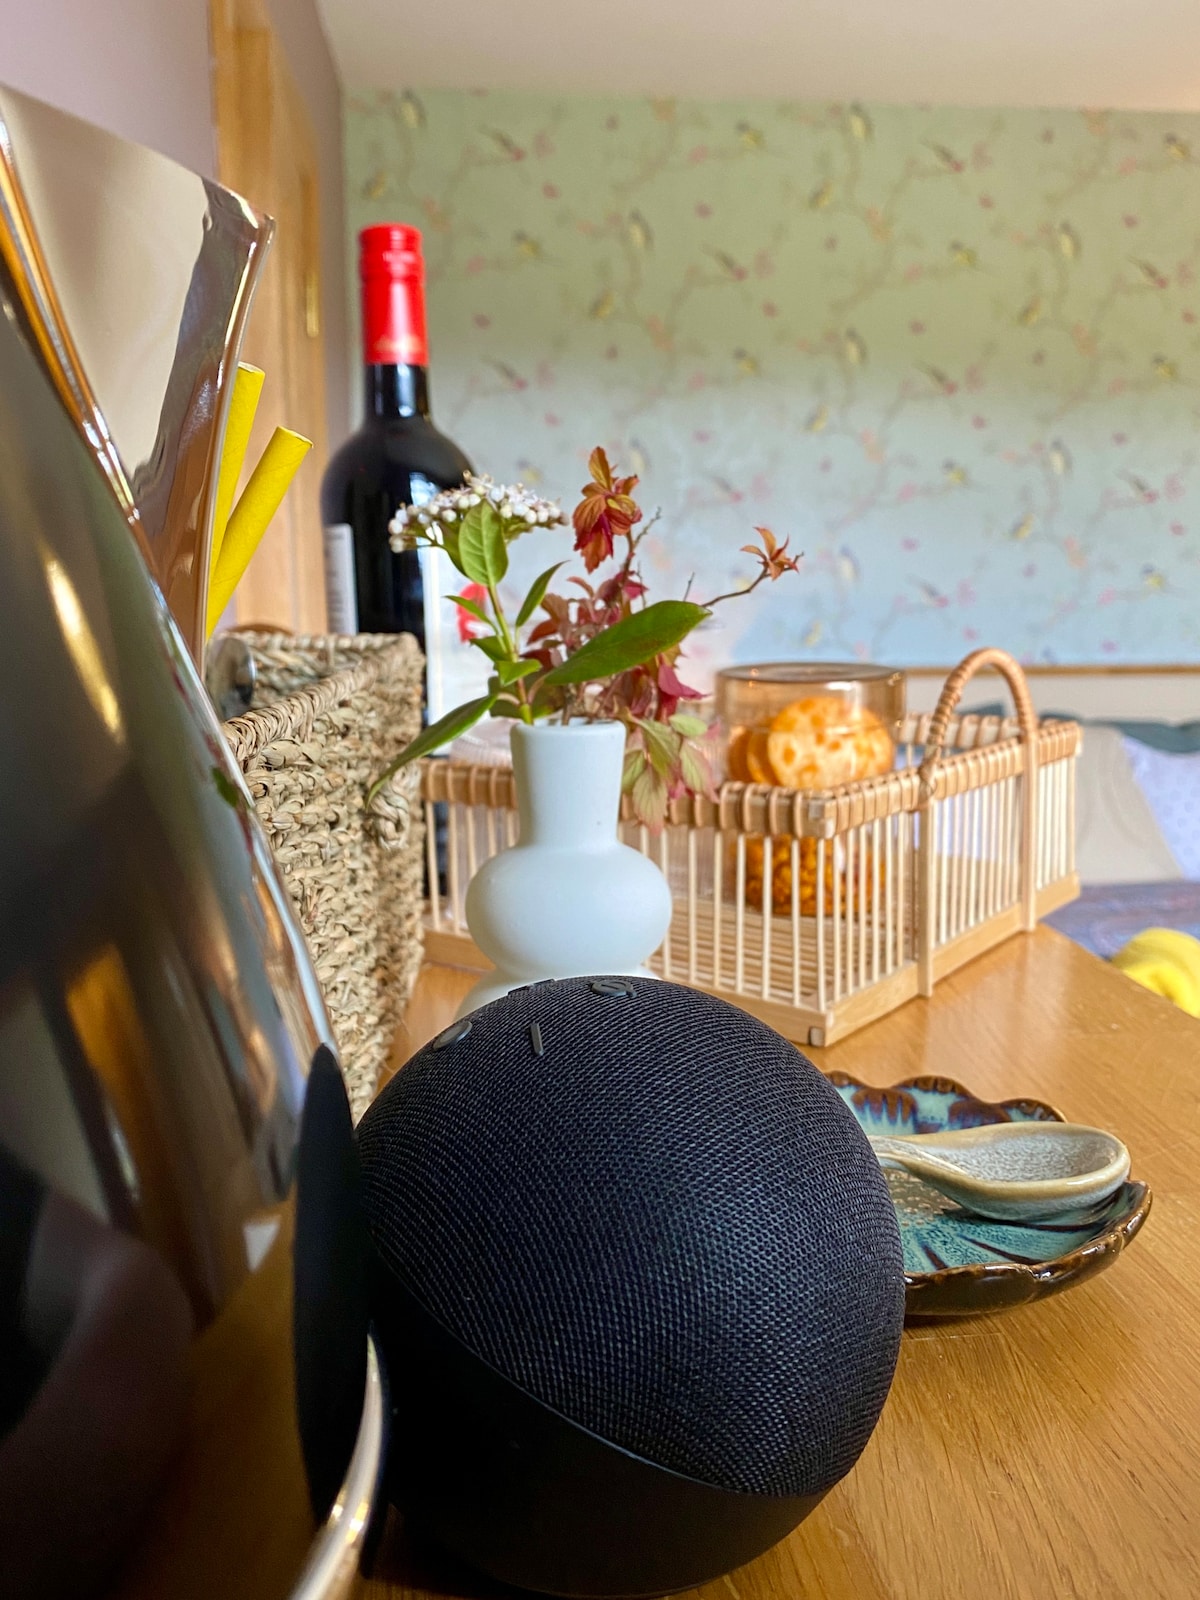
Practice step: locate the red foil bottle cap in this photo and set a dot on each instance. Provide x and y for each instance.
(392, 272)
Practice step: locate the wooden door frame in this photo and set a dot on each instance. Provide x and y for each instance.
(266, 151)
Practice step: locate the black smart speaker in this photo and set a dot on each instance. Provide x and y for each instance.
(639, 1286)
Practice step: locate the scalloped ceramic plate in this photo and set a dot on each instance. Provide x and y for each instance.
(957, 1264)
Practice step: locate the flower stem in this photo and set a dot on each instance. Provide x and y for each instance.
(735, 594)
(510, 644)
(502, 622)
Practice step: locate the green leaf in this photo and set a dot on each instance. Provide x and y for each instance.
(449, 535)
(635, 765)
(509, 671)
(482, 552)
(494, 649)
(432, 738)
(690, 727)
(472, 608)
(695, 769)
(536, 594)
(662, 747)
(630, 642)
(649, 796)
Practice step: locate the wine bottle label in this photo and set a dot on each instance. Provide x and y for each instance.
(341, 600)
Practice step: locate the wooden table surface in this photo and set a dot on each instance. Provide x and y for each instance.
(1050, 1453)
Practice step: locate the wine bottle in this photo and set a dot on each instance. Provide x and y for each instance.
(396, 458)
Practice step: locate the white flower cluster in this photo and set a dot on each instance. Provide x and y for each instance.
(514, 502)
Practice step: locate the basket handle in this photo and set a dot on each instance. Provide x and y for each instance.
(1010, 670)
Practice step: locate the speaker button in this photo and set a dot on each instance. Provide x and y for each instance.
(452, 1035)
(617, 991)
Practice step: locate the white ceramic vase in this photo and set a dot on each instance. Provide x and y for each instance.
(569, 899)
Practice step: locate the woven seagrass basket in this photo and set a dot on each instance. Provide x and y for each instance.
(328, 714)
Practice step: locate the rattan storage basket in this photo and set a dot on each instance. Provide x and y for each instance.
(328, 714)
(890, 883)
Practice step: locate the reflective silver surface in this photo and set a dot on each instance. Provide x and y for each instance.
(333, 1563)
(230, 675)
(133, 277)
(158, 1010)
(141, 918)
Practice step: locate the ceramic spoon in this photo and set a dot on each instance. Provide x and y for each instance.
(1012, 1171)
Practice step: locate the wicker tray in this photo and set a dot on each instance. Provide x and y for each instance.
(889, 884)
(329, 712)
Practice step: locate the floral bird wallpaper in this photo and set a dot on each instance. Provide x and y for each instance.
(954, 355)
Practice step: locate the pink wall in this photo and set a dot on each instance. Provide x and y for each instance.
(136, 67)
(141, 69)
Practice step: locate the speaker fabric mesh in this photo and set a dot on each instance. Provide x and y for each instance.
(667, 1227)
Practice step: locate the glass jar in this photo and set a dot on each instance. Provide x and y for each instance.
(809, 725)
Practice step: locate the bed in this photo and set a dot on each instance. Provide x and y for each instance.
(1138, 806)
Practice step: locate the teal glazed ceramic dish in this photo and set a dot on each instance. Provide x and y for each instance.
(957, 1264)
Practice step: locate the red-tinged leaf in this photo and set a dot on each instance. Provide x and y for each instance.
(606, 512)
(544, 658)
(599, 468)
(637, 690)
(546, 629)
(597, 547)
(621, 507)
(621, 588)
(773, 556)
(671, 684)
(649, 797)
(589, 511)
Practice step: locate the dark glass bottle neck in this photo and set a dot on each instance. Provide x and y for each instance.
(396, 391)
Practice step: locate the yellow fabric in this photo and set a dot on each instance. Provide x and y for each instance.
(1167, 962)
(258, 504)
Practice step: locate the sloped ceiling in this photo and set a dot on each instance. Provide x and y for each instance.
(1112, 53)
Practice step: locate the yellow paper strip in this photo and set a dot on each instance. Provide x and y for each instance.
(259, 502)
(243, 403)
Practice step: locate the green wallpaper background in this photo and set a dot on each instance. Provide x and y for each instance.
(954, 355)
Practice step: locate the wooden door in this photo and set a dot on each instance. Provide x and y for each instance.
(266, 152)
